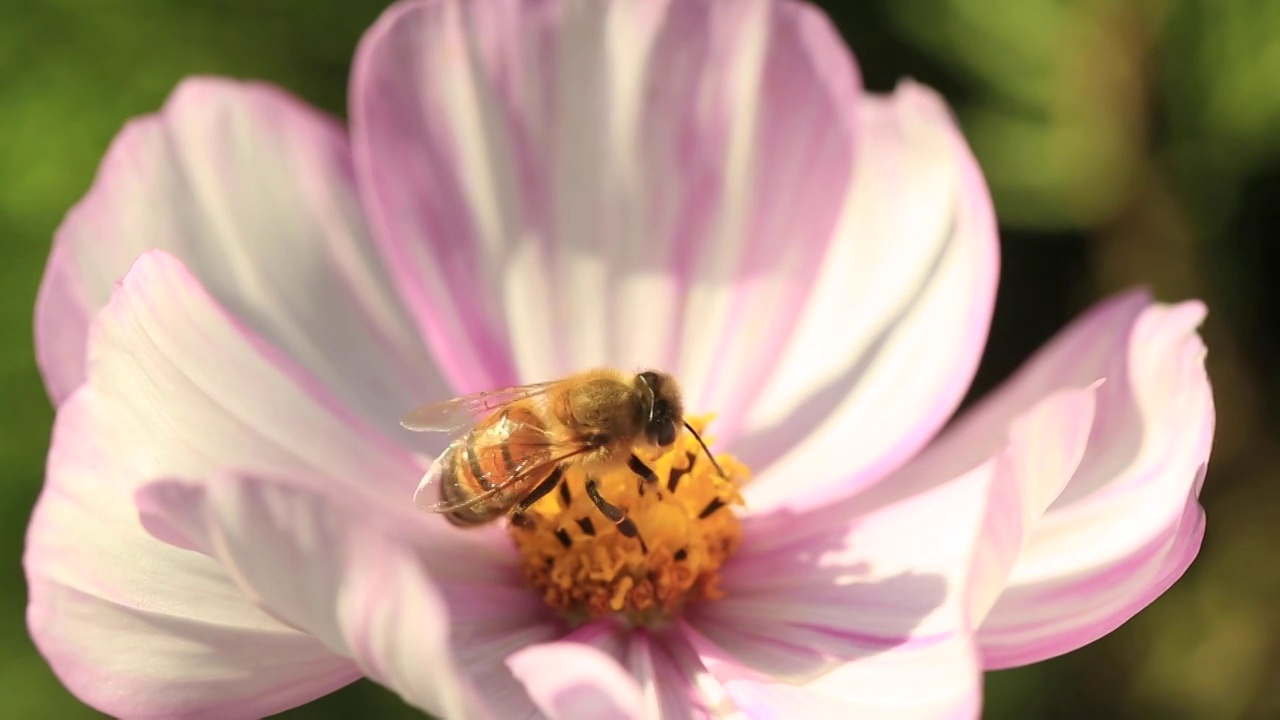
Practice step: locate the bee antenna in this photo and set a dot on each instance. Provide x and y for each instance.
(653, 396)
(710, 457)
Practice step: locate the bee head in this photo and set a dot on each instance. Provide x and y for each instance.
(662, 410)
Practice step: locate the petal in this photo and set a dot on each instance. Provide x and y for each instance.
(666, 692)
(136, 628)
(314, 564)
(254, 191)
(573, 680)
(887, 345)
(565, 184)
(1036, 453)
(1129, 523)
(488, 620)
(672, 681)
(941, 681)
(176, 385)
(1044, 448)
(855, 609)
(864, 606)
(189, 389)
(288, 544)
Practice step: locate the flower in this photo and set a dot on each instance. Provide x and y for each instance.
(248, 299)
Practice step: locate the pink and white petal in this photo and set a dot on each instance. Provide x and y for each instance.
(940, 681)
(889, 342)
(1036, 453)
(255, 192)
(490, 618)
(673, 678)
(185, 388)
(1129, 523)
(854, 607)
(139, 629)
(860, 606)
(327, 568)
(570, 680)
(666, 690)
(564, 184)
(1043, 450)
(1088, 352)
(672, 682)
(177, 386)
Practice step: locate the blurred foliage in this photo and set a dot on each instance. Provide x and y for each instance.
(1126, 142)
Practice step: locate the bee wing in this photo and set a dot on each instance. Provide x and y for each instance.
(461, 413)
(529, 466)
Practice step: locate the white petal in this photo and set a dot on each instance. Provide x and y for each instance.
(254, 191)
(189, 389)
(567, 184)
(327, 570)
(176, 385)
(857, 608)
(139, 629)
(889, 342)
(1129, 523)
(570, 680)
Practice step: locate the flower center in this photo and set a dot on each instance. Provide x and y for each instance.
(586, 566)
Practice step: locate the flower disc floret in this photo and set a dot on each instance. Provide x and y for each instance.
(585, 567)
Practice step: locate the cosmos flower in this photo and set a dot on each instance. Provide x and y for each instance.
(250, 297)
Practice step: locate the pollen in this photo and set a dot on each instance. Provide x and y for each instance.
(682, 531)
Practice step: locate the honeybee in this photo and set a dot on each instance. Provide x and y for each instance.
(513, 445)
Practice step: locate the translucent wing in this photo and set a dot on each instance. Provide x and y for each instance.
(532, 466)
(458, 413)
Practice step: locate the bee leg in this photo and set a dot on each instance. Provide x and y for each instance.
(646, 474)
(616, 515)
(673, 480)
(540, 491)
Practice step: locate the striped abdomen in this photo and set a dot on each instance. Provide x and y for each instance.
(487, 459)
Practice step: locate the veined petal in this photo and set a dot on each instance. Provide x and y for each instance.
(1036, 453)
(254, 191)
(310, 561)
(565, 184)
(887, 345)
(941, 681)
(1044, 448)
(671, 681)
(857, 608)
(176, 386)
(189, 389)
(570, 680)
(1129, 523)
(136, 628)
(666, 691)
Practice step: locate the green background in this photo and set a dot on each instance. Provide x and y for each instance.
(1126, 142)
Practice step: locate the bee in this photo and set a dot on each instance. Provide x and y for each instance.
(511, 446)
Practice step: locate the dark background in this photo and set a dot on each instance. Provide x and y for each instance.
(1126, 142)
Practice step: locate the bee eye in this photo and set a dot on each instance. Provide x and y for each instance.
(662, 433)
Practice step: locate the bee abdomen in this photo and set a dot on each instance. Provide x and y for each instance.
(453, 491)
(469, 516)
(485, 463)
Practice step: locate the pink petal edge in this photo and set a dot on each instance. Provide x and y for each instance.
(570, 680)
(240, 179)
(322, 568)
(1129, 523)
(135, 628)
(921, 332)
(857, 607)
(510, 109)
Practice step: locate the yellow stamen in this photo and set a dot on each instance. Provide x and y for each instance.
(584, 566)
